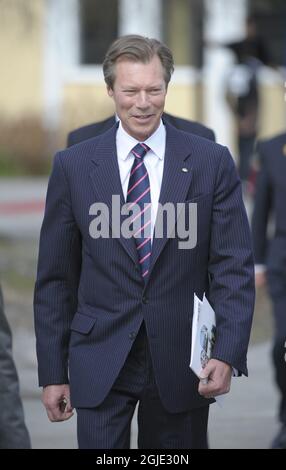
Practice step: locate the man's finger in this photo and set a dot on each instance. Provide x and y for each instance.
(58, 413)
(204, 380)
(56, 417)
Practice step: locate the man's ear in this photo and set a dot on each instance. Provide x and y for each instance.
(109, 91)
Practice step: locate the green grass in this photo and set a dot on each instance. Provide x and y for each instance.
(18, 282)
(9, 167)
(18, 265)
(262, 328)
(16, 166)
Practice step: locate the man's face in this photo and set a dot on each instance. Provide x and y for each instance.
(139, 94)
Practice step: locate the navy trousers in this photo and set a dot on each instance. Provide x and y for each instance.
(279, 351)
(277, 288)
(108, 425)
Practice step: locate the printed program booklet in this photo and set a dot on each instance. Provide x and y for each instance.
(203, 336)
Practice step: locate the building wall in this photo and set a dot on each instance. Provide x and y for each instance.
(182, 100)
(83, 104)
(21, 52)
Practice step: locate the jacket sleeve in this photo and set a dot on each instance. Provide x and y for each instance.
(231, 269)
(57, 280)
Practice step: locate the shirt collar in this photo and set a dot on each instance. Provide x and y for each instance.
(156, 142)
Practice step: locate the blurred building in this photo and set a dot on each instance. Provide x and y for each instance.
(52, 50)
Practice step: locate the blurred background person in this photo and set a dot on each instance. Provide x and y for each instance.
(270, 255)
(242, 91)
(13, 431)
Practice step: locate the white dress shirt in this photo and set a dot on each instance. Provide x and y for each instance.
(153, 160)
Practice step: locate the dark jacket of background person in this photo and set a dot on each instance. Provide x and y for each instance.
(13, 432)
(92, 130)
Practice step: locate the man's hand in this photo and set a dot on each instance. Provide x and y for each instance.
(56, 399)
(215, 379)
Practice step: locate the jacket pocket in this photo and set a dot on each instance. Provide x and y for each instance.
(82, 323)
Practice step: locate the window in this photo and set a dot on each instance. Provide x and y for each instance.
(271, 19)
(182, 22)
(99, 28)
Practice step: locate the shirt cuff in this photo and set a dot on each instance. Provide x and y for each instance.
(260, 268)
(235, 372)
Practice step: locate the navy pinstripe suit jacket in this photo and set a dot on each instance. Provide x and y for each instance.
(94, 337)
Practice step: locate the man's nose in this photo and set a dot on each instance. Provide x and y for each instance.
(142, 100)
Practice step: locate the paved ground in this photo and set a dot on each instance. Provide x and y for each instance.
(247, 419)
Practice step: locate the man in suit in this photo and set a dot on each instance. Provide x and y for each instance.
(128, 336)
(97, 128)
(13, 432)
(270, 255)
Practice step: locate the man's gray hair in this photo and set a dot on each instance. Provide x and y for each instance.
(138, 49)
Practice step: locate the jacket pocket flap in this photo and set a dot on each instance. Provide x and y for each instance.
(82, 323)
(199, 197)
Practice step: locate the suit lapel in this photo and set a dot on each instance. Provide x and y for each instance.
(106, 182)
(176, 180)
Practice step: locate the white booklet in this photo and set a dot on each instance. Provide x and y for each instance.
(203, 336)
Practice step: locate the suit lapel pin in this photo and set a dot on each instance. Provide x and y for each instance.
(185, 170)
(284, 150)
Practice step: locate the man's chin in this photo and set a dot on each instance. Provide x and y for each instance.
(142, 133)
(146, 129)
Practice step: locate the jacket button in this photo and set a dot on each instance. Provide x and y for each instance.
(145, 300)
(132, 335)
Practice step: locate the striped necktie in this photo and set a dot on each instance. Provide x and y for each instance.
(139, 193)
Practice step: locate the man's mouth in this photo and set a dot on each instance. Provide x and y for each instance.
(144, 117)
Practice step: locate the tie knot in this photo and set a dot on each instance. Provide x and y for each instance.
(140, 150)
